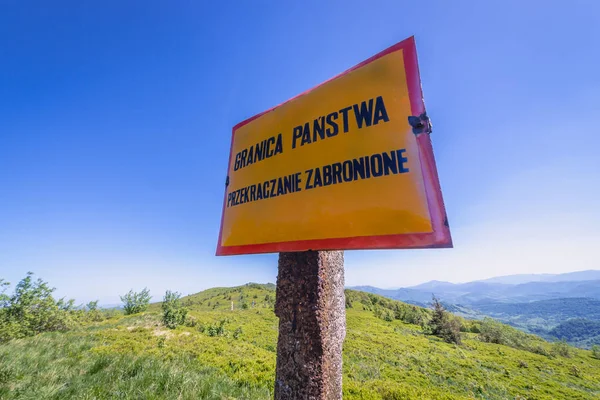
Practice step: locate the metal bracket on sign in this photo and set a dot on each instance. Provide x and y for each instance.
(420, 124)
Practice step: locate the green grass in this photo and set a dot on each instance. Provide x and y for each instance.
(74, 366)
(135, 357)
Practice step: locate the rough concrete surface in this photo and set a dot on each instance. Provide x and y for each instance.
(310, 305)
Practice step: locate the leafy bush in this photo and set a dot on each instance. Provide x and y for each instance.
(374, 299)
(173, 312)
(409, 314)
(135, 302)
(596, 351)
(575, 371)
(92, 305)
(561, 349)
(470, 326)
(32, 309)
(443, 325)
(190, 321)
(540, 350)
(492, 331)
(238, 331)
(348, 302)
(93, 313)
(216, 329)
(388, 316)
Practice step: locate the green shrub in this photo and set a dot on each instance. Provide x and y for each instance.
(217, 329)
(374, 299)
(32, 309)
(491, 331)
(443, 325)
(410, 314)
(92, 305)
(93, 313)
(388, 316)
(348, 302)
(561, 349)
(575, 371)
(540, 350)
(190, 321)
(596, 351)
(238, 331)
(470, 326)
(173, 312)
(136, 302)
(378, 312)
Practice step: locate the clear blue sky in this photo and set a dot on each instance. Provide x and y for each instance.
(115, 121)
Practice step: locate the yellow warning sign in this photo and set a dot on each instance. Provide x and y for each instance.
(337, 167)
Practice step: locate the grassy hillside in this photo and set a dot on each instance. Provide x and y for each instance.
(541, 317)
(226, 354)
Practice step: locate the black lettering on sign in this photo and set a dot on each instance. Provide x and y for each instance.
(337, 173)
(372, 166)
(318, 179)
(297, 135)
(319, 128)
(390, 164)
(358, 165)
(401, 161)
(380, 111)
(297, 181)
(309, 185)
(332, 130)
(288, 184)
(376, 165)
(306, 135)
(347, 171)
(260, 151)
(344, 112)
(327, 176)
(366, 113)
(269, 150)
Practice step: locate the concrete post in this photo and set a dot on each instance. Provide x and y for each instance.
(310, 305)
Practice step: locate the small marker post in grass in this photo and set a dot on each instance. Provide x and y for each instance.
(310, 305)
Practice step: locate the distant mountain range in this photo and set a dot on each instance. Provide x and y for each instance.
(535, 303)
(524, 288)
(589, 275)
